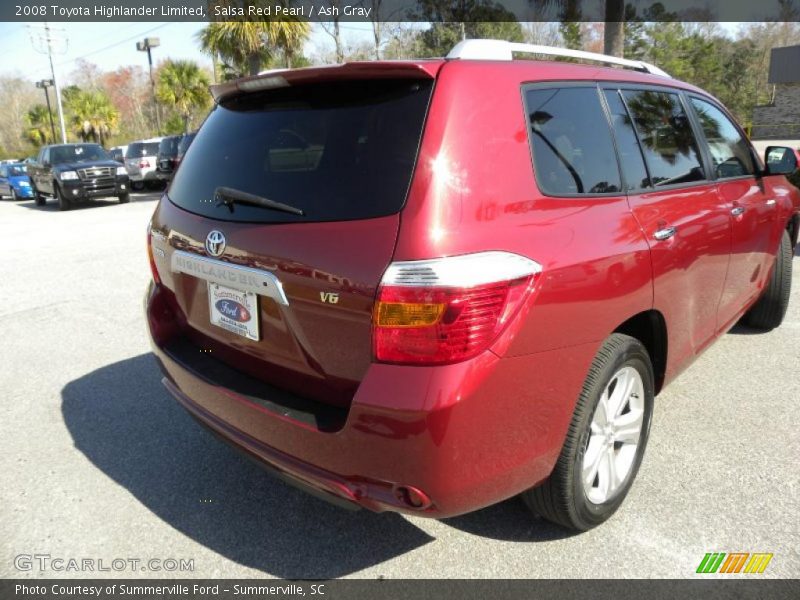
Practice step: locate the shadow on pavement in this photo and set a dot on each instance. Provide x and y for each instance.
(127, 425)
(509, 521)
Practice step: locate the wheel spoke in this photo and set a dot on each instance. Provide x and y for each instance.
(622, 391)
(591, 460)
(605, 475)
(628, 427)
(601, 414)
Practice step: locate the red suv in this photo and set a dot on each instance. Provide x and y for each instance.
(428, 286)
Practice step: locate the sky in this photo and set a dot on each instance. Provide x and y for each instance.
(111, 45)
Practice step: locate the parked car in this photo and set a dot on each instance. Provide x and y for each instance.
(14, 181)
(167, 156)
(117, 153)
(183, 146)
(70, 172)
(140, 161)
(404, 289)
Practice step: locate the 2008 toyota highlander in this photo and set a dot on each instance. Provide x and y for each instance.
(428, 286)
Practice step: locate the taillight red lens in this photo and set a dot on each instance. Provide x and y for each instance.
(150, 257)
(420, 318)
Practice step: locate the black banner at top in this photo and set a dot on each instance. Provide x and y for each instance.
(399, 10)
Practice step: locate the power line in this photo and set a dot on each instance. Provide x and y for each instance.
(133, 37)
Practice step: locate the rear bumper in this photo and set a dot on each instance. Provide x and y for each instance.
(462, 436)
(144, 175)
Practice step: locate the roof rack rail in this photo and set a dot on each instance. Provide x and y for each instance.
(503, 50)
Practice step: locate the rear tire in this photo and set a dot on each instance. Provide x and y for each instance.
(768, 312)
(601, 455)
(124, 198)
(63, 202)
(137, 185)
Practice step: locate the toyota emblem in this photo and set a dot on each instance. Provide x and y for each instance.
(215, 243)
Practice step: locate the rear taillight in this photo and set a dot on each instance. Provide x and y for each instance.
(150, 257)
(448, 309)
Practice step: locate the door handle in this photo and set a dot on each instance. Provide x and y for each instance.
(737, 210)
(665, 233)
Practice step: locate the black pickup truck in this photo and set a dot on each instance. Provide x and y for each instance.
(70, 172)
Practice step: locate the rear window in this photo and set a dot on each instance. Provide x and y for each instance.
(169, 146)
(139, 149)
(337, 151)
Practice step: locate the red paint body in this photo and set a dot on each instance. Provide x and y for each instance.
(476, 432)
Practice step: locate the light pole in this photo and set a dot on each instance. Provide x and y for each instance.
(44, 84)
(43, 42)
(145, 46)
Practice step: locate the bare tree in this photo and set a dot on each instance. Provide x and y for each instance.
(17, 96)
(542, 33)
(332, 27)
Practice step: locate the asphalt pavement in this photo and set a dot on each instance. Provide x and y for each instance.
(98, 462)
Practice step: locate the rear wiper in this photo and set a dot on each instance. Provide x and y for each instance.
(226, 196)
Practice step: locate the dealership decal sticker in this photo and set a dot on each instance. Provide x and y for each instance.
(736, 562)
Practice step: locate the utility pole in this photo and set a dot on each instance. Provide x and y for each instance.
(145, 46)
(44, 84)
(49, 39)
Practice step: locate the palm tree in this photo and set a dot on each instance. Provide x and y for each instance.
(93, 116)
(37, 125)
(184, 86)
(246, 46)
(238, 44)
(288, 36)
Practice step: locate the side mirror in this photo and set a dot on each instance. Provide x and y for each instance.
(780, 160)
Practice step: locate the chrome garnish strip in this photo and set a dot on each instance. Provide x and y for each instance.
(246, 279)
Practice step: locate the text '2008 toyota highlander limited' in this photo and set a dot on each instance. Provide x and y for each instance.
(429, 286)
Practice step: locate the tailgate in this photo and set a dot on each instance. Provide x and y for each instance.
(316, 342)
(282, 287)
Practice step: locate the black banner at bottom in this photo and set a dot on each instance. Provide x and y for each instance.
(357, 589)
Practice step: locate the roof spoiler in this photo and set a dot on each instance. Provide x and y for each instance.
(278, 78)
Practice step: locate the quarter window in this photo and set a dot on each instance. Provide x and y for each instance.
(572, 148)
(729, 151)
(669, 146)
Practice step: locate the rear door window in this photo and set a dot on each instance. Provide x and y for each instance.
(630, 153)
(572, 148)
(670, 148)
(730, 152)
(337, 151)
